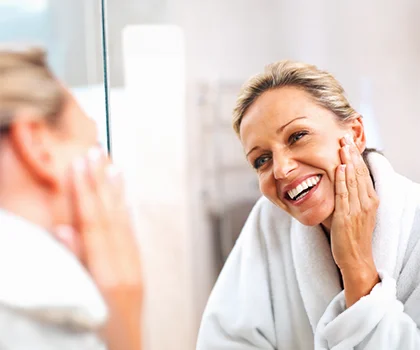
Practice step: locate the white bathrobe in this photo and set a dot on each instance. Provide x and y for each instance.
(47, 300)
(280, 287)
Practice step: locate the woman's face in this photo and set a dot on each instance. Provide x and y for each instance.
(293, 144)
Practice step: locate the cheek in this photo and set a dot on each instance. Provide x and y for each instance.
(267, 185)
(330, 169)
(330, 160)
(67, 154)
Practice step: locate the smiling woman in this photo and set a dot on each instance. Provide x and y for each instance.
(317, 253)
(308, 133)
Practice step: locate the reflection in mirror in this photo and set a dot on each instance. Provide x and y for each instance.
(192, 201)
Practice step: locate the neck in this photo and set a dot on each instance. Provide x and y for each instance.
(326, 225)
(20, 193)
(31, 208)
(21, 196)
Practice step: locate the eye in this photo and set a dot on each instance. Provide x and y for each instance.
(260, 161)
(297, 136)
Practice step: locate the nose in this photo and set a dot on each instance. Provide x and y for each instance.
(283, 165)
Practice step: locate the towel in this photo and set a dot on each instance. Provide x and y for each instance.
(280, 287)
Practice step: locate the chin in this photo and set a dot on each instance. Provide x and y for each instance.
(314, 219)
(310, 221)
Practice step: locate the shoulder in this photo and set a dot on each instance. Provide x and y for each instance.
(409, 240)
(42, 335)
(56, 289)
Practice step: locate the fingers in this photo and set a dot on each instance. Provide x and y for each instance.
(92, 201)
(69, 238)
(122, 233)
(363, 181)
(84, 205)
(116, 188)
(351, 181)
(341, 192)
(104, 224)
(97, 189)
(97, 173)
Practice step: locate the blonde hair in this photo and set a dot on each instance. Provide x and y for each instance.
(321, 85)
(27, 84)
(325, 90)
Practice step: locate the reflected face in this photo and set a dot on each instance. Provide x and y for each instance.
(78, 133)
(74, 136)
(293, 144)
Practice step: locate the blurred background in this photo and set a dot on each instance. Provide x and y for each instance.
(174, 68)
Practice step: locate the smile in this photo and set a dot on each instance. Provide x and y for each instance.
(303, 188)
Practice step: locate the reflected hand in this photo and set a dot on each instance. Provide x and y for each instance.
(104, 241)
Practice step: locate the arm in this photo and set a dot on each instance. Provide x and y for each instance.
(123, 328)
(238, 315)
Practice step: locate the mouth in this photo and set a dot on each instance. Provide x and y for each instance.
(303, 189)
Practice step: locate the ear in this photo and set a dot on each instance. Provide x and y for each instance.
(33, 144)
(358, 132)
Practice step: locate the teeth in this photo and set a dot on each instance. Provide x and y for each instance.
(312, 181)
(301, 196)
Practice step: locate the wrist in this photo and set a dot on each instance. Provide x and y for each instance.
(122, 334)
(359, 282)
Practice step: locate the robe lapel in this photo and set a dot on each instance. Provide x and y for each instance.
(316, 272)
(394, 218)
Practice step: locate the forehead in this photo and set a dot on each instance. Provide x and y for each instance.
(276, 108)
(280, 106)
(284, 103)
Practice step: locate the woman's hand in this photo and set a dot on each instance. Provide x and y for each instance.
(104, 240)
(354, 218)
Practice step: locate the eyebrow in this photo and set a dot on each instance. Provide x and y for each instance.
(278, 131)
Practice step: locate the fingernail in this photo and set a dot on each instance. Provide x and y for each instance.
(64, 232)
(347, 150)
(348, 139)
(94, 154)
(343, 167)
(113, 172)
(79, 165)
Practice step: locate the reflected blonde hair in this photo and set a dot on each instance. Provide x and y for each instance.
(27, 85)
(325, 90)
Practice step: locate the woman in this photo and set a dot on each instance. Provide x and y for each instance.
(328, 258)
(56, 183)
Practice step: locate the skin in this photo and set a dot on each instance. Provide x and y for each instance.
(287, 137)
(58, 178)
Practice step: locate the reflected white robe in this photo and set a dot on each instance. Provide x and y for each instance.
(280, 287)
(47, 299)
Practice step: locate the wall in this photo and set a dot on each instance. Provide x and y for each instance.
(372, 47)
